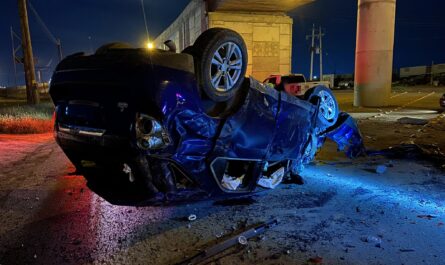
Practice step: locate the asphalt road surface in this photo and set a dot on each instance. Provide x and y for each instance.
(345, 213)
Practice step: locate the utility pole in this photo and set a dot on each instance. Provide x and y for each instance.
(320, 37)
(311, 75)
(317, 50)
(30, 75)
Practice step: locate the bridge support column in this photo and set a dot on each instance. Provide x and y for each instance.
(374, 52)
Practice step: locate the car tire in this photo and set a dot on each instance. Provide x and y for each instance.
(328, 110)
(220, 63)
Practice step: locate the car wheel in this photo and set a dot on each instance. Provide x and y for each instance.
(310, 149)
(221, 62)
(327, 105)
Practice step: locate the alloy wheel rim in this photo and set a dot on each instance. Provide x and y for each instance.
(226, 66)
(327, 105)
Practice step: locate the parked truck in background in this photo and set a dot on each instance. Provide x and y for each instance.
(296, 84)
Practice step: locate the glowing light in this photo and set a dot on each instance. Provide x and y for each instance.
(150, 45)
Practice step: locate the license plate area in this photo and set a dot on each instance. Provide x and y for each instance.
(82, 113)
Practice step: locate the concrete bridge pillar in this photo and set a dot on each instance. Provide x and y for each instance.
(374, 52)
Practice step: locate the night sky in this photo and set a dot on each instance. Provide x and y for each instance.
(83, 25)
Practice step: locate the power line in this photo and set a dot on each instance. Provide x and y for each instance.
(50, 36)
(145, 19)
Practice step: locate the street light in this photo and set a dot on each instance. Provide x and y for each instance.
(150, 45)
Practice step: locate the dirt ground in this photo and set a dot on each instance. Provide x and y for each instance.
(345, 213)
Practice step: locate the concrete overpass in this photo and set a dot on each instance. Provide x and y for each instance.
(267, 31)
(264, 25)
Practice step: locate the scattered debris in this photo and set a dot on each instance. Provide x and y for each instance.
(273, 181)
(372, 239)
(380, 169)
(231, 183)
(316, 260)
(426, 216)
(429, 152)
(407, 250)
(219, 235)
(127, 170)
(371, 138)
(242, 240)
(192, 217)
(412, 121)
(220, 247)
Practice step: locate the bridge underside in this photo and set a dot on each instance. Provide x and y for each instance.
(264, 26)
(256, 5)
(267, 31)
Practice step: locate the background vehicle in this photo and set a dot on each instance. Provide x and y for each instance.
(184, 126)
(442, 101)
(298, 85)
(346, 84)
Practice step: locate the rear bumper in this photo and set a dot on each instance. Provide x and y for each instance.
(95, 147)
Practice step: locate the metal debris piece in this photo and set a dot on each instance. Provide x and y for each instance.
(426, 216)
(412, 121)
(407, 250)
(192, 217)
(127, 170)
(220, 247)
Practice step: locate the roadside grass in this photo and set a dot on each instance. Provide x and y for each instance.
(23, 119)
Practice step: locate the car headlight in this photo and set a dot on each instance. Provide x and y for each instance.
(150, 134)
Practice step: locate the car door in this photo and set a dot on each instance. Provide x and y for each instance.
(249, 132)
(293, 127)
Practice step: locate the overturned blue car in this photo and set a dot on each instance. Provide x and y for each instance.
(175, 127)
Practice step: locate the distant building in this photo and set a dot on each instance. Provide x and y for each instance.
(436, 69)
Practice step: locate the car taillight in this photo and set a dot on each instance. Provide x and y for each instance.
(297, 88)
